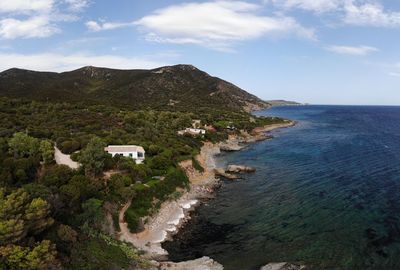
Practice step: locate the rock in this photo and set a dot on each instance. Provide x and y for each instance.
(204, 263)
(221, 173)
(283, 266)
(239, 169)
(230, 146)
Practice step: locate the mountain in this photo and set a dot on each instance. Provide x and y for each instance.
(179, 87)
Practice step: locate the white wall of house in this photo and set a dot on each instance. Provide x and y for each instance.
(135, 155)
(196, 130)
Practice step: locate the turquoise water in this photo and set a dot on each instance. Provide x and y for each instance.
(326, 193)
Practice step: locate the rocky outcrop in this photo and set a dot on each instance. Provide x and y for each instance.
(239, 169)
(239, 141)
(232, 170)
(283, 266)
(220, 172)
(204, 263)
(230, 146)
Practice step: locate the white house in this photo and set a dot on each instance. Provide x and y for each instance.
(196, 131)
(132, 151)
(192, 131)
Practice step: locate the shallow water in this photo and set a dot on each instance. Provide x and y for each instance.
(326, 193)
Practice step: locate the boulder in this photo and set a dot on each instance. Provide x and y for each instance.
(283, 266)
(221, 173)
(230, 146)
(204, 263)
(239, 169)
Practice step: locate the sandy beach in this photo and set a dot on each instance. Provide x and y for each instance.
(174, 213)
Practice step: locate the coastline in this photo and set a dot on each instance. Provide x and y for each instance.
(173, 214)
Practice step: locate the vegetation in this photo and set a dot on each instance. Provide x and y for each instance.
(93, 156)
(53, 217)
(178, 88)
(197, 165)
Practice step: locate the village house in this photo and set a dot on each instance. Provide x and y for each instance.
(192, 131)
(132, 151)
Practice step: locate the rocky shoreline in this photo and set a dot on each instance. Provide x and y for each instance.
(174, 214)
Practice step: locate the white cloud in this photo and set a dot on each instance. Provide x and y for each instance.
(36, 18)
(370, 14)
(77, 5)
(60, 62)
(216, 24)
(32, 27)
(318, 6)
(352, 12)
(101, 26)
(351, 50)
(26, 6)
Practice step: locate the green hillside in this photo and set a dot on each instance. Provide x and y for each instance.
(180, 87)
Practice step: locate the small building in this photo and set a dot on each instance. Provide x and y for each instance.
(192, 131)
(132, 151)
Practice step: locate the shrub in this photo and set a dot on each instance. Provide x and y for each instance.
(197, 165)
(70, 146)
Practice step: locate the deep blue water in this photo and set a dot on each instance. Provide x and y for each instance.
(326, 192)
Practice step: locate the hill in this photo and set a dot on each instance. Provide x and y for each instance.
(180, 88)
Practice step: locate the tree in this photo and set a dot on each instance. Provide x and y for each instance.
(93, 157)
(119, 188)
(47, 151)
(93, 213)
(78, 189)
(70, 146)
(154, 149)
(36, 216)
(66, 233)
(11, 230)
(41, 256)
(19, 216)
(56, 175)
(23, 145)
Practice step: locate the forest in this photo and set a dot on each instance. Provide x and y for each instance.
(53, 217)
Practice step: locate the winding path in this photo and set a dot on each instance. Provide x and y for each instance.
(63, 159)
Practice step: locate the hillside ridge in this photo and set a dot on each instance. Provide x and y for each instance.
(180, 87)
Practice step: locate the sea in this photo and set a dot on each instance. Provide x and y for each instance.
(326, 193)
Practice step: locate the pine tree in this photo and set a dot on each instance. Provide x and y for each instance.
(41, 256)
(22, 145)
(20, 216)
(47, 151)
(93, 157)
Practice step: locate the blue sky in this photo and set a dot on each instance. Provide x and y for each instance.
(316, 51)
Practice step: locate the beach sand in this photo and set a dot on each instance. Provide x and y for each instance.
(174, 213)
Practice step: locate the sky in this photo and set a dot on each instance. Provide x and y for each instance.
(315, 51)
